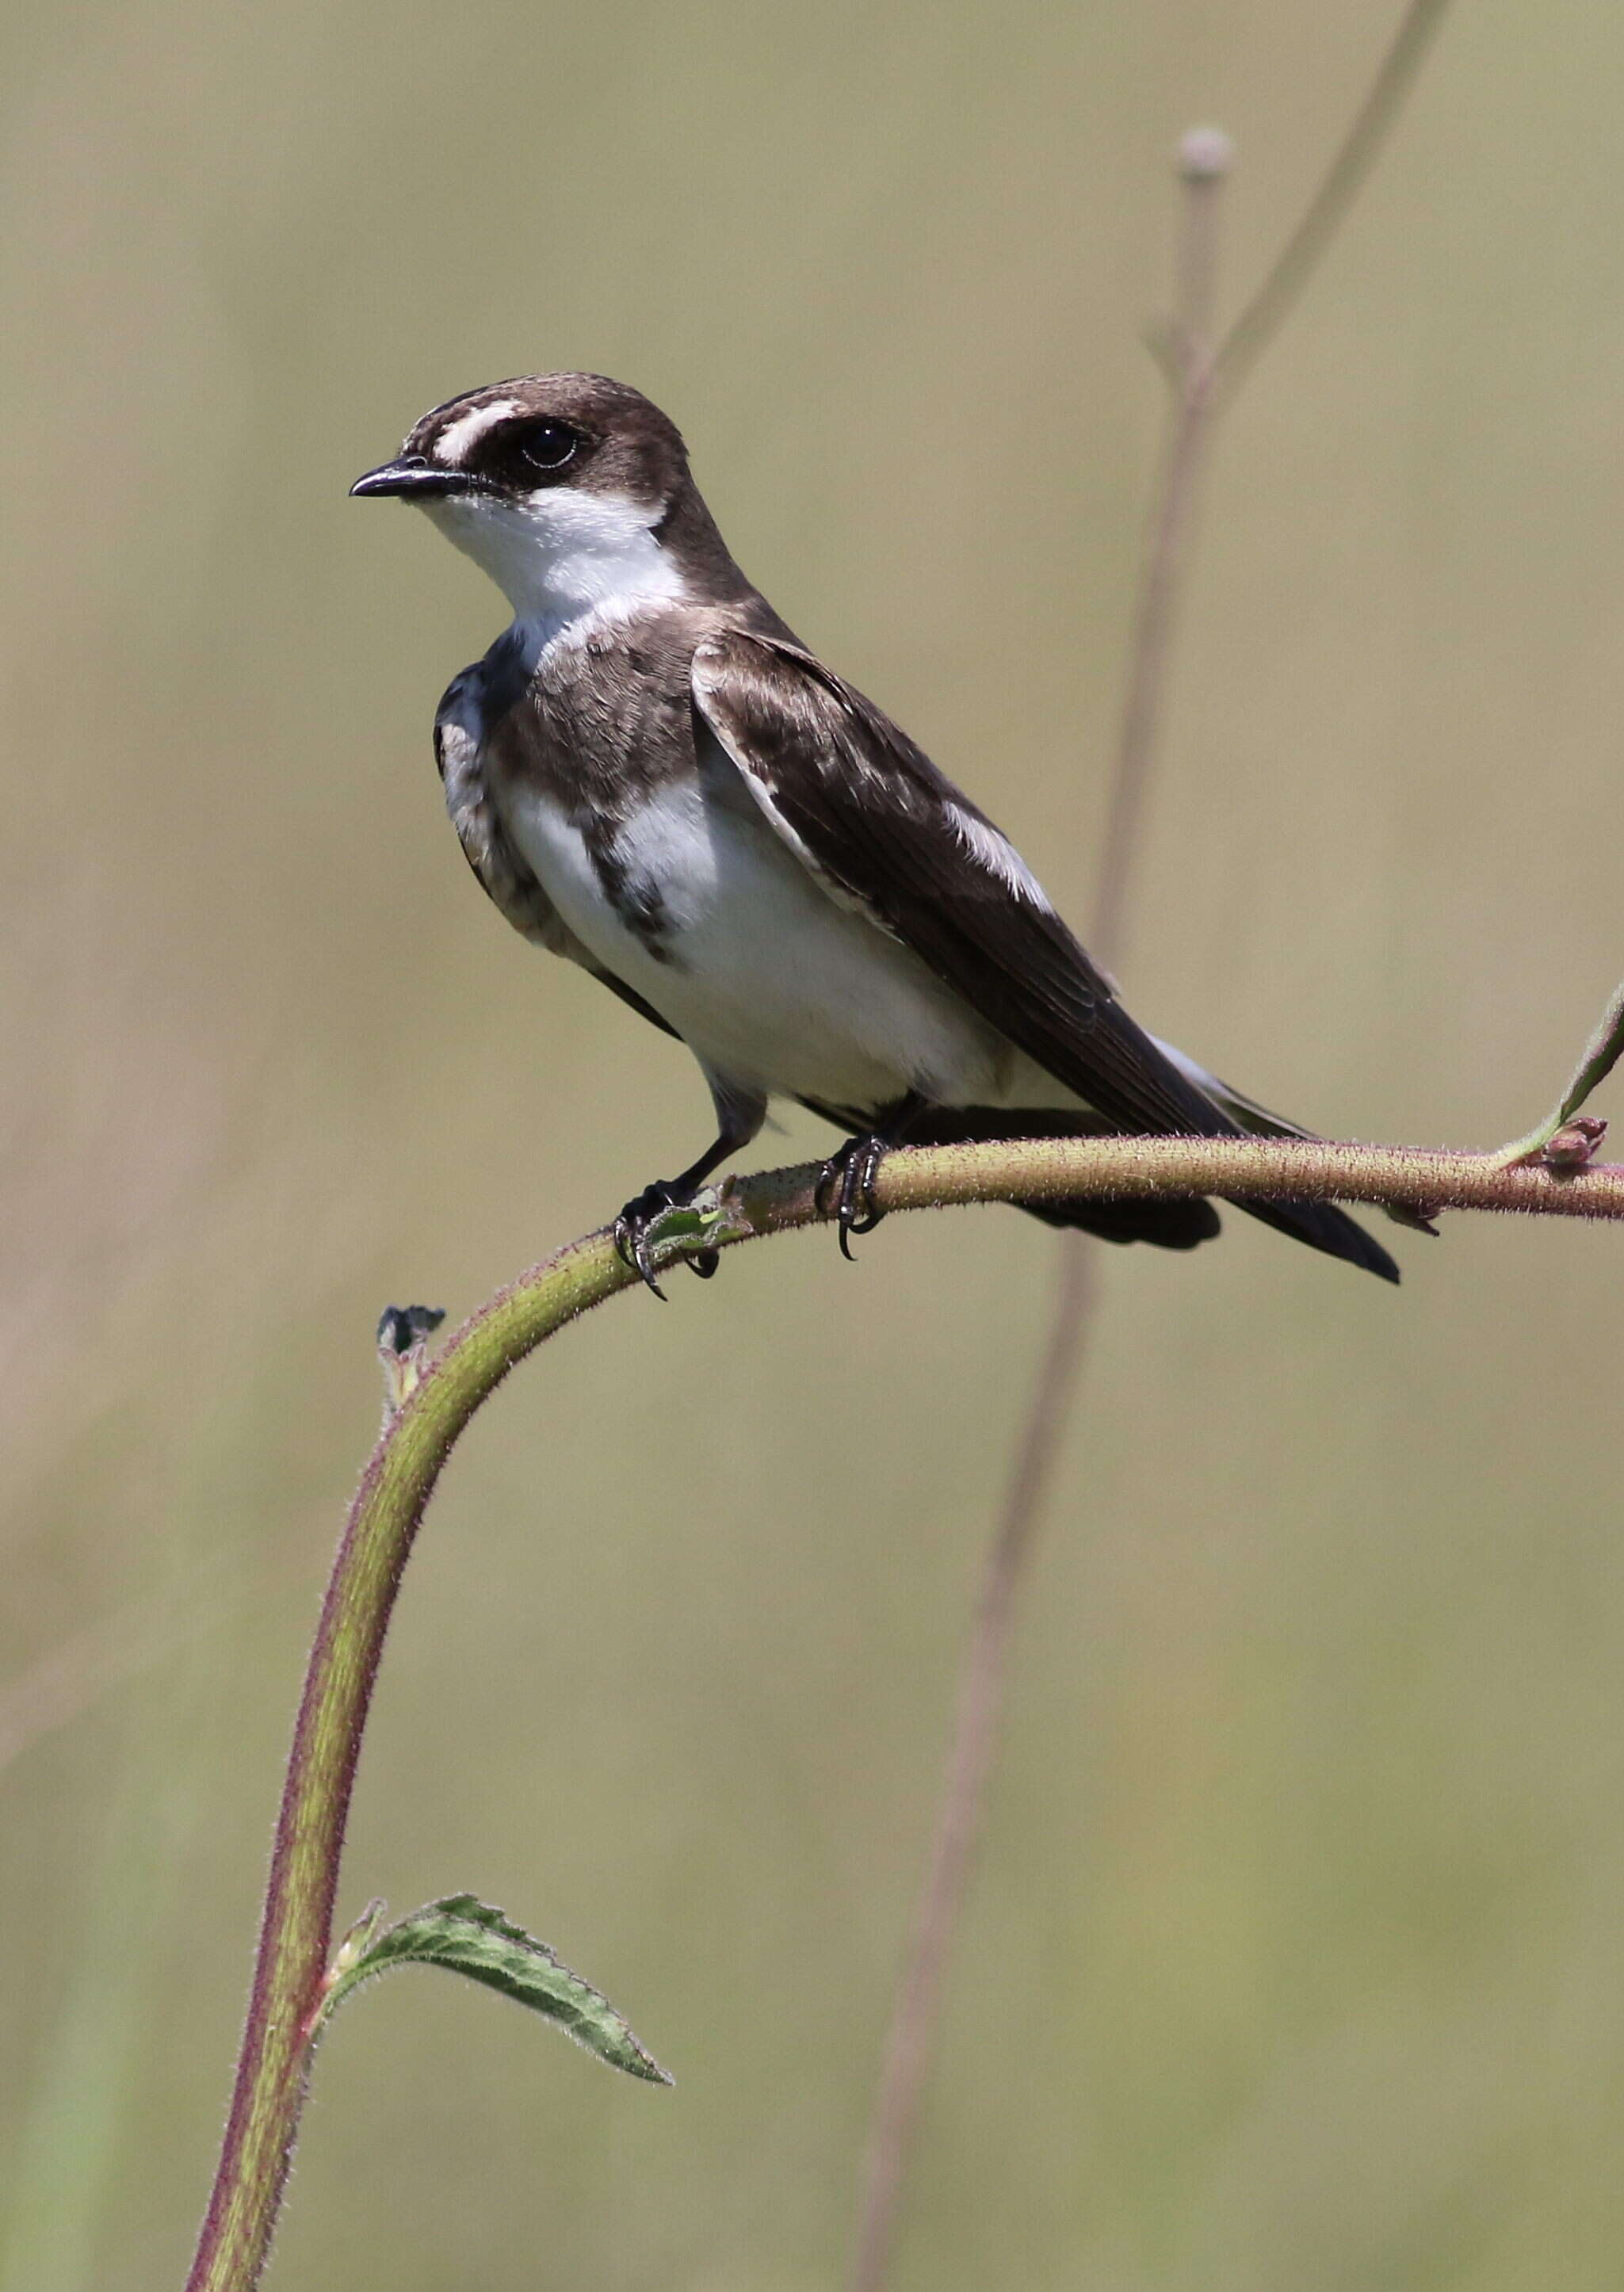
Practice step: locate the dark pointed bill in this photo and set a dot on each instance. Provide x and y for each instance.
(412, 478)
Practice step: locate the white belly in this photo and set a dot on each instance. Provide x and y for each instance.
(770, 983)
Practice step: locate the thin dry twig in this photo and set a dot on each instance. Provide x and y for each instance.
(1202, 373)
(916, 2008)
(1204, 161)
(1260, 321)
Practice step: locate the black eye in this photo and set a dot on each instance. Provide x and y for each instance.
(547, 445)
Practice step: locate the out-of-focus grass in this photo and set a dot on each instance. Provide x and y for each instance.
(1294, 1951)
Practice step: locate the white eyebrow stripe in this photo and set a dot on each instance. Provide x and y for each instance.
(997, 855)
(457, 438)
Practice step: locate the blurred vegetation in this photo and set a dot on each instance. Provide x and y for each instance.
(1294, 1953)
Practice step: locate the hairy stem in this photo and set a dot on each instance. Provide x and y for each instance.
(295, 1935)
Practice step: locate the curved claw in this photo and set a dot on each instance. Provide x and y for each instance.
(631, 1241)
(853, 1169)
(632, 1233)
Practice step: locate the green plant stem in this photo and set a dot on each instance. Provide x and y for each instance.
(295, 1936)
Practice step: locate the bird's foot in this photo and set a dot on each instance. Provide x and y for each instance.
(846, 1185)
(638, 1229)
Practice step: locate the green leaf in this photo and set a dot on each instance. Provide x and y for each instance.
(1601, 1055)
(710, 1217)
(468, 1936)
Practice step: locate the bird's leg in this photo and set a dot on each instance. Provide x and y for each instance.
(739, 1115)
(848, 1177)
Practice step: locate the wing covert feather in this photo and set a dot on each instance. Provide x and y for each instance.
(882, 828)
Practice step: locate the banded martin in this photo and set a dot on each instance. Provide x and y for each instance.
(652, 774)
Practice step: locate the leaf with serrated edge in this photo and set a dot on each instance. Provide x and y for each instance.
(1601, 1055)
(709, 1218)
(468, 1936)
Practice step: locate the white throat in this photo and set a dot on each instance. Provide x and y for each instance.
(562, 554)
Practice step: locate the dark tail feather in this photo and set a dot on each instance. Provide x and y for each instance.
(1317, 1223)
(1179, 1223)
(1170, 1224)
(1322, 1226)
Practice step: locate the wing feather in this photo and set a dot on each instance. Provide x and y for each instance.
(882, 829)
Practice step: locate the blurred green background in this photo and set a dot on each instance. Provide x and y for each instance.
(1295, 1953)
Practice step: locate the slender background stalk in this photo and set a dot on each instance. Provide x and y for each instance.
(1202, 373)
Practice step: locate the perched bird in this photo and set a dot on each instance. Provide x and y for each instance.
(652, 775)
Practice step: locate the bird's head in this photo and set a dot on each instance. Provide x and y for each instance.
(571, 491)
